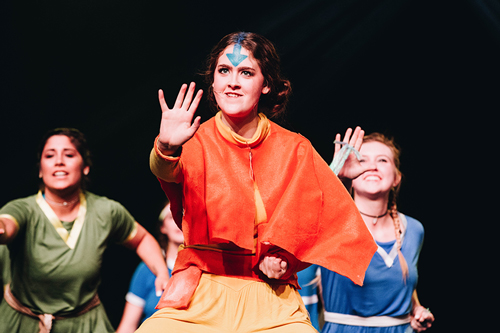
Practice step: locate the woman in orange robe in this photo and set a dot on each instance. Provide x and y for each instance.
(256, 202)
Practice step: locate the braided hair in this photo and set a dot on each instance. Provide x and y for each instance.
(392, 206)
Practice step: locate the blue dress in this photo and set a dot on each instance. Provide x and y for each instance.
(309, 292)
(384, 293)
(142, 291)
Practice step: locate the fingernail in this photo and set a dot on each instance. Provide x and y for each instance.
(158, 293)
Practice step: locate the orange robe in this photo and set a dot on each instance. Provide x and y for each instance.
(272, 189)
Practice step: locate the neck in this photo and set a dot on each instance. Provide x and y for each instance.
(244, 126)
(369, 206)
(370, 209)
(62, 200)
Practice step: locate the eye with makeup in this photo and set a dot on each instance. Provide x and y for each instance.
(247, 73)
(223, 70)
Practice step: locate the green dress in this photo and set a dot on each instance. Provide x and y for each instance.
(51, 275)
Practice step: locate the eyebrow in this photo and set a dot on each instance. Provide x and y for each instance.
(245, 68)
(64, 149)
(376, 156)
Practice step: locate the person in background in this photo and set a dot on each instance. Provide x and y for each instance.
(387, 302)
(308, 280)
(56, 240)
(142, 297)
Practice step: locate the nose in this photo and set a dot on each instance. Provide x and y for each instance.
(234, 82)
(59, 159)
(371, 165)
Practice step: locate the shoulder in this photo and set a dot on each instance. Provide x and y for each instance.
(23, 201)
(414, 226)
(413, 222)
(143, 270)
(285, 133)
(26, 204)
(104, 206)
(99, 201)
(285, 137)
(142, 275)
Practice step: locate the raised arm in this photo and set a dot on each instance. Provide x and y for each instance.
(177, 125)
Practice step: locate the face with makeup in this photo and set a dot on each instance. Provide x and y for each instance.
(383, 174)
(61, 165)
(238, 83)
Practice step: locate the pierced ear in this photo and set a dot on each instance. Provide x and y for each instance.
(266, 90)
(86, 170)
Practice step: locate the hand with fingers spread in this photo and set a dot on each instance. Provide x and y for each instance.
(352, 166)
(177, 125)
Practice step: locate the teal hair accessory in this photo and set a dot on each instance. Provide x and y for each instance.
(340, 157)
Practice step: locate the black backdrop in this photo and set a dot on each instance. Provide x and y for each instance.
(424, 71)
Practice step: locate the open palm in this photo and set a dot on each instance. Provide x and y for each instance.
(177, 125)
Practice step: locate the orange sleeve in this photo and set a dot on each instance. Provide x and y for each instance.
(167, 168)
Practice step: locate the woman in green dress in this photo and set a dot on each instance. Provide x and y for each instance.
(56, 239)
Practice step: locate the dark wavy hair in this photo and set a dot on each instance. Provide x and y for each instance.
(272, 104)
(78, 139)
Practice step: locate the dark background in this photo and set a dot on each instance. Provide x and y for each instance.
(425, 72)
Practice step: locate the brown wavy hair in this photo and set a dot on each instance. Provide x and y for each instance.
(272, 104)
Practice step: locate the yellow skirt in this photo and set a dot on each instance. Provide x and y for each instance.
(224, 304)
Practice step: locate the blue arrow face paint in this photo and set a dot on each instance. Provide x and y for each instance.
(236, 57)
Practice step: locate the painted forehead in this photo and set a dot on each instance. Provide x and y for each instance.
(236, 57)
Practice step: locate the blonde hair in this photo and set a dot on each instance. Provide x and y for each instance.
(392, 206)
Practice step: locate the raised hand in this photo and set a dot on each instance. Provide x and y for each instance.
(352, 167)
(177, 125)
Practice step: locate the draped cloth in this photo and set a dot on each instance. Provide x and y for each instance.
(214, 187)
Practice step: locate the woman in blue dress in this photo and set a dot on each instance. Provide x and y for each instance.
(387, 302)
(141, 299)
(308, 281)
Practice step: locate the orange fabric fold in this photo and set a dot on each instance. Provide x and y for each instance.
(308, 211)
(180, 288)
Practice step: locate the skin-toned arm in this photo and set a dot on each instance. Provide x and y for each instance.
(130, 319)
(177, 125)
(422, 318)
(149, 251)
(352, 168)
(8, 230)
